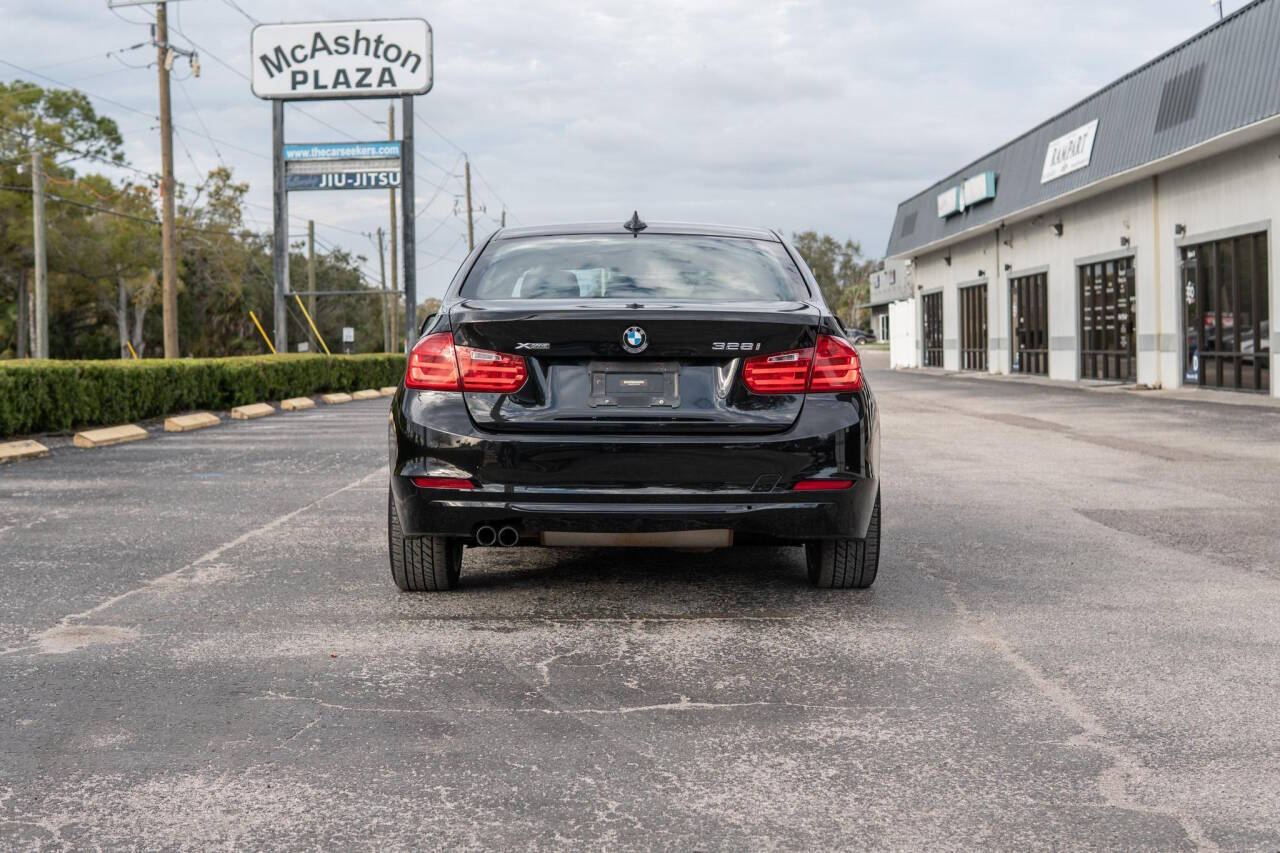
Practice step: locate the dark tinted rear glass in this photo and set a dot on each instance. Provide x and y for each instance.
(668, 267)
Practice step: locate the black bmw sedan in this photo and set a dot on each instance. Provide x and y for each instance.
(660, 385)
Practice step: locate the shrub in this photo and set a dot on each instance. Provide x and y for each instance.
(43, 396)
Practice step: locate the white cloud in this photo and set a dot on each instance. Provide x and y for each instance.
(795, 115)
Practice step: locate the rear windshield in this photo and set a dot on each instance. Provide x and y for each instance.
(675, 267)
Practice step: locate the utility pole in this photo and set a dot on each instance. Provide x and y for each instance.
(169, 257)
(311, 276)
(391, 195)
(471, 233)
(41, 342)
(387, 343)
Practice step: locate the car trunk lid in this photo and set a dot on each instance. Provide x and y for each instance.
(633, 367)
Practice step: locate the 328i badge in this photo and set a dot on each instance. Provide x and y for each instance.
(652, 385)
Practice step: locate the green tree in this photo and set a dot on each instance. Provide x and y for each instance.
(65, 128)
(843, 274)
(104, 246)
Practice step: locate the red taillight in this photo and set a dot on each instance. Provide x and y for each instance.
(821, 485)
(830, 366)
(780, 373)
(436, 364)
(483, 370)
(442, 483)
(835, 367)
(432, 366)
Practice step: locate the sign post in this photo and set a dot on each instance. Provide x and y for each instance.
(280, 222)
(407, 229)
(339, 60)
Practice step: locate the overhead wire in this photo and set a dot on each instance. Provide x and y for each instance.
(74, 203)
(125, 106)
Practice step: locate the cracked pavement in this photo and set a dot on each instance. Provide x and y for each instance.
(1074, 642)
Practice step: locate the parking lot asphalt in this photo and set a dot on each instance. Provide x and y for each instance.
(1074, 641)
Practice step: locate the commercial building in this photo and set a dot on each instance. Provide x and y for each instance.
(1128, 238)
(891, 283)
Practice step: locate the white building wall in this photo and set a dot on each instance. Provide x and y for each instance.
(1089, 229)
(933, 273)
(1234, 192)
(904, 344)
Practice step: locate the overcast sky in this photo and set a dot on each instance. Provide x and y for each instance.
(793, 115)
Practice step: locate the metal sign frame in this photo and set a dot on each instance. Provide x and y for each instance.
(280, 219)
(280, 170)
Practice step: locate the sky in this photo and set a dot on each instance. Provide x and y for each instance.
(813, 114)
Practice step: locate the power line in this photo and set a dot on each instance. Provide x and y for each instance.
(443, 222)
(124, 106)
(84, 154)
(121, 214)
(297, 109)
(503, 201)
(432, 128)
(234, 5)
(200, 119)
(446, 256)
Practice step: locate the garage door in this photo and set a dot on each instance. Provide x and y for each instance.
(1029, 316)
(973, 327)
(1227, 323)
(1108, 346)
(932, 329)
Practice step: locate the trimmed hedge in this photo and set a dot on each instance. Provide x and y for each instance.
(44, 396)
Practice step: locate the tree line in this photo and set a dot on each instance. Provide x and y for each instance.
(103, 249)
(843, 275)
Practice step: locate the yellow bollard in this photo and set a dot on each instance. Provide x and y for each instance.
(254, 318)
(312, 325)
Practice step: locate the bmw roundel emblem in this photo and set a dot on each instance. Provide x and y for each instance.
(634, 340)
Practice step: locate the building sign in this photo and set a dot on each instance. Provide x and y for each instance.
(949, 202)
(341, 59)
(342, 166)
(979, 188)
(342, 151)
(1069, 152)
(361, 180)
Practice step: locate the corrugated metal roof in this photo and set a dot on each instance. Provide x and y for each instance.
(1225, 77)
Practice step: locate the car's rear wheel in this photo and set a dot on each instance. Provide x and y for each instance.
(421, 564)
(846, 563)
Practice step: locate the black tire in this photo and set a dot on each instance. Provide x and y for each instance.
(421, 564)
(846, 563)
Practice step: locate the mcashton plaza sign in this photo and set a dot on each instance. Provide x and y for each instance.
(342, 59)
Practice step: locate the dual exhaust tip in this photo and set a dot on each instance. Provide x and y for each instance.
(505, 536)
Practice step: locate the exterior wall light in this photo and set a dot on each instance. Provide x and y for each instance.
(1008, 267)
(1179, 230)
(948, 257)
(982, 273)
(1124, 241)
(1057, 228)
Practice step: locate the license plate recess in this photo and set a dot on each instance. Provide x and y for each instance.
(628, 384)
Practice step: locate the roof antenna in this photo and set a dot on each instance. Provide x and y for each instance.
(635, 225)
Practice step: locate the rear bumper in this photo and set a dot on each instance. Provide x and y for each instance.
(839, 514)
(540, 483)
